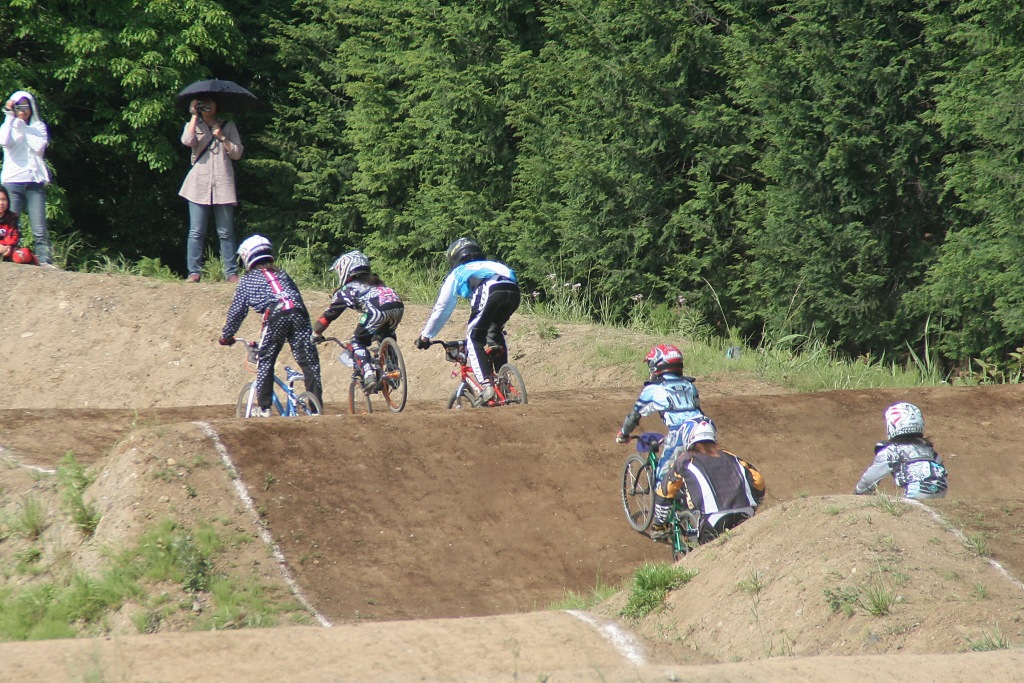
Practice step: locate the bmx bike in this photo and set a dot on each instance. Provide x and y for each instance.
(284, 401)
(392, 383)
(509, 387)
(639, 480)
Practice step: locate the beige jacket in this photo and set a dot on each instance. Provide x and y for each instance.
(212, 178)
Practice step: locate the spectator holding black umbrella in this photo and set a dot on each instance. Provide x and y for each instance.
(210, 185)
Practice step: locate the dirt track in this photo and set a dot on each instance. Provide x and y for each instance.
(432, 513)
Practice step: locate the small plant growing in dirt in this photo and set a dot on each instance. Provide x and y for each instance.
(990, 641)
(30, 519)
(268, 480)
(843, 599)
(74, 478)
(877, 598)
(891, 505)
(754, 583)
(584, 600)
(651, 583)
(977, 544)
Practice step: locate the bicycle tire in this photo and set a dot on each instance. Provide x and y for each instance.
(242, 405)
(638, 492)
(308, 404)
(464, 396)
(358, 400)
(683, 521)
(511, 385)
(394, 384)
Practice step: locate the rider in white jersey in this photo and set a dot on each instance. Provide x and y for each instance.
(910, 458)
(493, 293)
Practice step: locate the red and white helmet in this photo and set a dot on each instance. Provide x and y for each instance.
(902, 419)
(665, 358)
(24, 255)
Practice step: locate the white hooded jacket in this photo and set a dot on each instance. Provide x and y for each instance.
(24, 145)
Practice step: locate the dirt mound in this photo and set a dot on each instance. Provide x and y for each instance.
(433, 513)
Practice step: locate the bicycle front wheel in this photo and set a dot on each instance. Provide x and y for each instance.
(242, 406)
(394, 383)
(464, 396)
(511, 385)
(307, 403)
(638, 492)
(358, 400)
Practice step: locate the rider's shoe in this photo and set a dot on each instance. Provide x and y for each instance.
(661, 530)
(370, 379)
(487, 395)
(261, 412)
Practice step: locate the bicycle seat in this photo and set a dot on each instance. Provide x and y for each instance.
(291, 375)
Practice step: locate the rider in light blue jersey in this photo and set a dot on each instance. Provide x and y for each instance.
(493, 293)
(673, 396)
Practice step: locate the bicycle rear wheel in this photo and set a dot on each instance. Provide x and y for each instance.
(307, 403)
(684, 532)
(638, 492)
(358, 400)
(511, 385)
(464, 396)
(393, 382)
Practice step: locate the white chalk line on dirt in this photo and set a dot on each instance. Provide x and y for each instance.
(620, 639)
(14, 461)
(246, 499)
(963, 539)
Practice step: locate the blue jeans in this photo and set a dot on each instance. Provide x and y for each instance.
(32, 197)
(224, 217)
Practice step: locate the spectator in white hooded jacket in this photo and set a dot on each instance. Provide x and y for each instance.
(24, 138)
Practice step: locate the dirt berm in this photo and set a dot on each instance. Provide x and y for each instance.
(428, 545)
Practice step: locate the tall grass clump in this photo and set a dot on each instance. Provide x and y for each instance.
(74, 479)
(651, 583)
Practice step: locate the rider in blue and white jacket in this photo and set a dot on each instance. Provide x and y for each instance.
(493, 293)
(670, 394)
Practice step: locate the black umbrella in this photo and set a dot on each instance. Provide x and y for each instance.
(231, 97)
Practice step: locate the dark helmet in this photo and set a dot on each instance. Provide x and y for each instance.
(463, 250)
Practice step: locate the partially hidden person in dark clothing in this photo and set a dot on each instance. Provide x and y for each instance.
(382, 309)
(724, 488)
(269, 290)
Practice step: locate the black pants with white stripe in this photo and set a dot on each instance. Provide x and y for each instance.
(493, 303)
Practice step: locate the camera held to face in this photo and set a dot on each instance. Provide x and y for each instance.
(204, 106)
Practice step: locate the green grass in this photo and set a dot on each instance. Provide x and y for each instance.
(651, 584)
(30, 518)
(77, 604)
(994, 640)
(582, 601)
(74, 479)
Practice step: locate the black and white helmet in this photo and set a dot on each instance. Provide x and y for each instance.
(350, 264)
(255, 249)
(463, 250)
(902, 419)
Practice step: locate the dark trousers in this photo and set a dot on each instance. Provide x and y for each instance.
(290, 326)
(492, 304)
